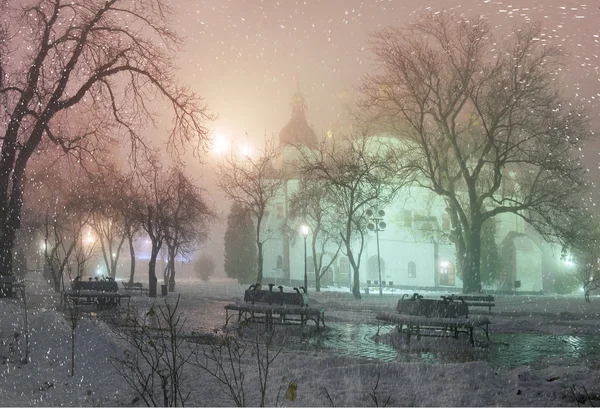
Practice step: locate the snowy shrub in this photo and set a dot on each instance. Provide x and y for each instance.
(565, 284)
(154, 365)
(227, 358)
(205, 267)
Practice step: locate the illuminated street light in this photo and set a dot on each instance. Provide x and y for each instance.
(569, 261)
(304, 231)
(220, 143)
(377, 225)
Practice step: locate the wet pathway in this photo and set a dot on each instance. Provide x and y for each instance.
(505, 350)
(360, 340)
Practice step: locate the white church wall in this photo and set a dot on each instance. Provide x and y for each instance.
(529, 269)
(508, 222)
(396, 255)
(271, 250)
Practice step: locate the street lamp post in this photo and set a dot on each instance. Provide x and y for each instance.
(304, 230)
(377, 225)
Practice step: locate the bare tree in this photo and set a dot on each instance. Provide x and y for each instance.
(310, 204)
(67, 241)
(171, 210)
(151, 193)
(82, 61)
(483, 122)
(205, 267)
(254, 184)
(582, 235)
(188, 219)
(356, 174)
(61, 215)
(587, 261)
(129, 198)
(106, 196)
(155, 363)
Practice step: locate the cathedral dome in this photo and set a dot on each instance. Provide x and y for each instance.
(298, 131)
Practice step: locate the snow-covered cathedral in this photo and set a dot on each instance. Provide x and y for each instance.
(411, 257)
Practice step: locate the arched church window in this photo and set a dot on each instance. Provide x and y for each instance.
(412, 270)
(373, 268)
(446, 274)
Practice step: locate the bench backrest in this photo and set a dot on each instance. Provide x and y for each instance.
(132, 285)
(477, 298)
(275, 297)
(106, 286)
(432, 308)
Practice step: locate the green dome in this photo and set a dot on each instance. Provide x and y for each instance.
(298, 131)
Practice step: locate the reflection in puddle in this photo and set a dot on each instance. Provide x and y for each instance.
(505, 350)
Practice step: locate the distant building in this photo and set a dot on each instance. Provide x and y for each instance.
(412, 254)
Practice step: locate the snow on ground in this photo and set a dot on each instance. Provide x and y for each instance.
(323, 377)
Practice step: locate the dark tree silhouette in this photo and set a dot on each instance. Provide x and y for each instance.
(311, 205)
(170, 208)
(254, 184)
(82, 61)
(240, 245)
(483, 122)
(357, 175)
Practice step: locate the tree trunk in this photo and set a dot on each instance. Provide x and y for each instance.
(259, 276)
(356, 283)
(472, 261)
(72, 350)
(317, 282)
(8, 240)
(152, 281)
(171, 269)
(113, 267)
(356, 276)
(12, 218)
(6, 257)
(132, 257)
(56, 283)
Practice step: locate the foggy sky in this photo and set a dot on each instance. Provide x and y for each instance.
(243, 56)
(247, 57)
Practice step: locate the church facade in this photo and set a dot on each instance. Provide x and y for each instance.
(413, 250)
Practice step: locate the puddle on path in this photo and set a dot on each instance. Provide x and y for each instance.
(505, 350)
(360, 340)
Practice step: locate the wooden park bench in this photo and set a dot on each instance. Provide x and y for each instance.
(473, 300)
(10, 285)
(134, 287)
(102, 293)
(275, 307)
(434, 318)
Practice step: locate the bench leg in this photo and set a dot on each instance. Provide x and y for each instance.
(487, 334)
(269, 321)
